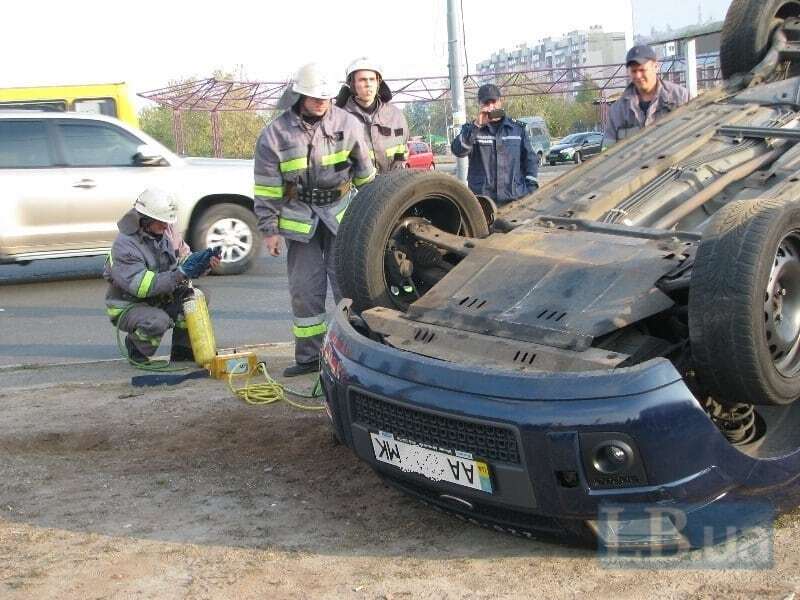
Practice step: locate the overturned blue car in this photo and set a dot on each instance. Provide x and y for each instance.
(613, 358)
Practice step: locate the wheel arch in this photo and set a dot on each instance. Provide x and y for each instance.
(210, 200)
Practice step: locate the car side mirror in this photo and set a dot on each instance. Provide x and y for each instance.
(148, 156)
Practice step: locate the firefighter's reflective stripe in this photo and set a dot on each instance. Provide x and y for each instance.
(310, 326)
(295, 164)
(335, 158)
(268, 191)
(394, 150)
(292, 225)
(340, 214)
(148, 277)
(372, 154)
(180, 323)
(110, 259)
(359, 181)
(152, 340)
(113, 312)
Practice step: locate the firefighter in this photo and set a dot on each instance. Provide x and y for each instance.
(366, 96)
(646, 99)
(147, 270)
(502, 163)
(306, 163)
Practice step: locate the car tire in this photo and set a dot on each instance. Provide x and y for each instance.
(747, 32)
(541, 158)
(552, 163)
(744, 304)
(578, 159)
(432, 167)
(235, 228)
(373, 218)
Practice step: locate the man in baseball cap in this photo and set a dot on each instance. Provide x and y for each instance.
(646, 99)
(502, 164)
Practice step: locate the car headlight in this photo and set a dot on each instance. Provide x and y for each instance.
(568, 151)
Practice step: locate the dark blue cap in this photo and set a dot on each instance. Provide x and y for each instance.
(640, 55)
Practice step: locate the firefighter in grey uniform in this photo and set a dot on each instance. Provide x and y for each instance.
(306, 162)
(366, 96)
(646, 99)
(147, 268)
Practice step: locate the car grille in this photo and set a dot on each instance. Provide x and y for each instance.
(481, 440)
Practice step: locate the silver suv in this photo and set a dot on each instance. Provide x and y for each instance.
(67, 178)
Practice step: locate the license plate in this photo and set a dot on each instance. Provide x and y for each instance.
(438, 465)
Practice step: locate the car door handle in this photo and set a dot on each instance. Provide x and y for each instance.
(85, 183)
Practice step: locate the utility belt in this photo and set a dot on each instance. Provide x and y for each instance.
(318, 197)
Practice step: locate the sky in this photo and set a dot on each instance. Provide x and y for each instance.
(151, 43)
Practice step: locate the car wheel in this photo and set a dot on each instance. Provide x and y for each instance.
(747, 32)
(432, 167)
(552, 163)
(744, 304)
(578, 159)
(372, 242)
(541, 158)
(235, 229)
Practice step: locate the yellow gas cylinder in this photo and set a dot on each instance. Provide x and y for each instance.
(201, 331)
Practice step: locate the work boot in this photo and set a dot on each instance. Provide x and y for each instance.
(301, 369)
(134, 353)
(181, 353)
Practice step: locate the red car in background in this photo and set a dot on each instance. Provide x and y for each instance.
(420, 156)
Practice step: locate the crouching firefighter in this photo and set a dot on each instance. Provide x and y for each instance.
(306, 163)
(366, 96)
(148, 271)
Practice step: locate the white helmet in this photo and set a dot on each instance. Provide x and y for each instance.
(311, 80)
(364, 63)
(157, 204)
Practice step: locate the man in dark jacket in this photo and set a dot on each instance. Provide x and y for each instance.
(502, 164)
(646, 99)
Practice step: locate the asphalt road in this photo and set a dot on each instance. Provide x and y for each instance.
(53, 311)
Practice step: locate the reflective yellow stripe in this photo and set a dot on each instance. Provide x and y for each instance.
(340, 216)
(114, 312)
(296, 226)
(294, 165)
(268, 191)
(146, 284)
(372, 154)
(310, 331)
(333, 159)
(359, 181)
(110, 259)
(399, 149)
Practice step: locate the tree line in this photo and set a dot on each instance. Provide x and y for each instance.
(429, 120)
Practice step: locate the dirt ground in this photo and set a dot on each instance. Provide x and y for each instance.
(110, 491)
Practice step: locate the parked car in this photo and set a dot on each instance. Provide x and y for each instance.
(420, 156)
(576, 148)
(539, 135)
(67, 178)
(614, 357)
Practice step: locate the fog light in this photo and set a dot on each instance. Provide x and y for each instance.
(612, 457)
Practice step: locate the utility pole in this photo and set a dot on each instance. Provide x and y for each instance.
(456, 51)
(629, 24)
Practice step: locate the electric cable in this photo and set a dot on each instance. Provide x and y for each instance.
(271, 392)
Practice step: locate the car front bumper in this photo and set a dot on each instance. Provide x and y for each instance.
(539, 434)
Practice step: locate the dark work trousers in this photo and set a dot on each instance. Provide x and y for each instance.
(146, 323)
(310, 267)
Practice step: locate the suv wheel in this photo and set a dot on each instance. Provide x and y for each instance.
(233, 227)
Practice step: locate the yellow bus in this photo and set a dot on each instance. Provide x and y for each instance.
(111, 99)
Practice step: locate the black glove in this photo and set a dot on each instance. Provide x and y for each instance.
(196, 263)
